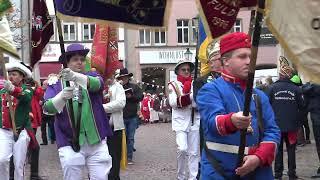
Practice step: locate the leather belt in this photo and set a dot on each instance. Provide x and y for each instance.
(224, 147)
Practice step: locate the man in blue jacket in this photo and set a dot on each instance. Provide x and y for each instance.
(221, 104)
(287, 103)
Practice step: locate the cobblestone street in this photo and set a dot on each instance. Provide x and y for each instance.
(155, 158)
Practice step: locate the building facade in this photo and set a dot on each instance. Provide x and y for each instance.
(151, 54)
(73, 32)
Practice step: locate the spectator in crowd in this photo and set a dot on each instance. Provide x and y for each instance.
(146, 105)
(165, 109)
(133, 97)
(287, 102)
(311, 93)
(114, 108)
(47, 118)
(154, 110)
(304, 131)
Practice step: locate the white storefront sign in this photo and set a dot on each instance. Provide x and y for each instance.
(163, 56)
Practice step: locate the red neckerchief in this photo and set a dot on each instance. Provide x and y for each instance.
(184, 79)
(229, 78)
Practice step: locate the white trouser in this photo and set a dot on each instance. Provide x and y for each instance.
(188, 153)
(19, 151)
(95, 157)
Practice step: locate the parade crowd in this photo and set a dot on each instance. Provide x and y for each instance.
(88, 115)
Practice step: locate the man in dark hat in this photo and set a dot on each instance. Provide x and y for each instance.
(130, 112)
(184, 125)
(86, 93)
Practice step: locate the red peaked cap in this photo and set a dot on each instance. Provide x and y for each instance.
(234, 41)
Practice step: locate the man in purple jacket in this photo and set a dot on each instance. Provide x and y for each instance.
(94, 126)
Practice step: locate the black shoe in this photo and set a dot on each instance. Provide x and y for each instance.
(44, 144)
(308, 142)
(301, 144)
(278, 176)
(293, 176)
(316, 176)
(134, 150)
(52, 141)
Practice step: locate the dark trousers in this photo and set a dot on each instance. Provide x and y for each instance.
(131, 126)
(291, 149)
(50, 120)
(316, 132)
(34, 155)
(306, 129)
(115, 147)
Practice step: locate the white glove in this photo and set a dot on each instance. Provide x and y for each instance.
(68, 75)
(8, 86)
(60, 100)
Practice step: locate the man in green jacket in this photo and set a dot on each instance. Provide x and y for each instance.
(21, 98)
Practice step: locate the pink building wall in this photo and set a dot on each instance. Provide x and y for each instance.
(180, 9)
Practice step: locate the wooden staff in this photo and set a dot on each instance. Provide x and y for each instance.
(9, 100)
(75, 127)
(249, 86)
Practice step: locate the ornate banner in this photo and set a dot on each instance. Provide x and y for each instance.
(104, 56)
(99, 48)
(133, 12)
(42, 30)
(296, 25)
(219, 16)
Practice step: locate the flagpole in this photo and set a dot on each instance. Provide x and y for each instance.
(75, 129)
(195, 63)
(5, 76)
(249, 86)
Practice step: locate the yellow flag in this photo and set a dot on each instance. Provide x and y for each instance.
(124, 160)
(296, 24)
(6, 41)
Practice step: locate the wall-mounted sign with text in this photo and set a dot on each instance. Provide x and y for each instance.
(267, 38)
(163, 56)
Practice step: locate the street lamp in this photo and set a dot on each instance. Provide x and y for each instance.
(188, 55)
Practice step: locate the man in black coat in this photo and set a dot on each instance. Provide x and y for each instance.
(312, 95)
(130, 112)
(287, 102)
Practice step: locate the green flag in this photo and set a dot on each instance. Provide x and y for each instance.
(4, 6)
(6, 41)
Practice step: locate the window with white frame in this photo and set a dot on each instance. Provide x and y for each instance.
(88, 31)
(69, 31)
(145, 37)
(159, 37)
(183, 31)
(237, 26)
(194, 33)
